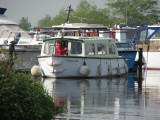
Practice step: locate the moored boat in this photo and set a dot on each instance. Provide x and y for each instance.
(125, 48)
(26, 47)
(81, 57)
(151, 48)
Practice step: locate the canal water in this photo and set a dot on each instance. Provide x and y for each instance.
(118, 98)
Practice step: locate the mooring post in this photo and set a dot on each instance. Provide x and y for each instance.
(140, 63)
(140, 60)
(11, 52)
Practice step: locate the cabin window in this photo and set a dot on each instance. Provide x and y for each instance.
(111, 49)
(101, 47)
(76, 47)
(45, 50)
(49, 47)
(90, 49)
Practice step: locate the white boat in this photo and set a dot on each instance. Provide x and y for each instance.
(151, 48)
(125, 48)
(26, 46)
(84, 57)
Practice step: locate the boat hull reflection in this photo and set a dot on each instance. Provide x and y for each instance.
(84, 96)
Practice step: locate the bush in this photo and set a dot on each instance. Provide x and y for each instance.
(21, 98)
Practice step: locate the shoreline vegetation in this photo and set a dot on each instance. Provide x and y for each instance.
(24, 97)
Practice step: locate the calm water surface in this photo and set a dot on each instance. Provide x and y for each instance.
(123, 98)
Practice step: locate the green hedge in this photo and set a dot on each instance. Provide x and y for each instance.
(21, 98)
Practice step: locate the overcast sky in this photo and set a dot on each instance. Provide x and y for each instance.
(37, 9)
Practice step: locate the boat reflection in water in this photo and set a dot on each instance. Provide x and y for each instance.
(118, 98)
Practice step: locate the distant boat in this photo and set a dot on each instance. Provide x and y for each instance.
(127, 50)
(81, 57)
(26, 46)
(151, 48)
(125, 47)
(128, 36)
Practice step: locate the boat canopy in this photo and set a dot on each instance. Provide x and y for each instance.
(4, 19)
(2, 10)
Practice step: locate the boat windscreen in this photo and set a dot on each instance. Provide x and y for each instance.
(123, 45)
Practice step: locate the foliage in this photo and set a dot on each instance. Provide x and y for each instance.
(120, 11)
(2, 49)
(24, 24)
(85, 13)
(22, 98)
(89, 13)
(46, 21)
(134, 11)
(60, 18)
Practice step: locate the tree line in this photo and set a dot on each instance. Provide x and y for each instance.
(118, 12)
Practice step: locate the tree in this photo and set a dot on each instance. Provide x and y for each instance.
(89, 13)
(60, 17)
(46, 21)
(85, 13)
(134, 11)
(24, 24)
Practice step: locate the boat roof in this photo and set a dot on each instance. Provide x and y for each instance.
(74, 26)
(157, 25)
(131, 25)
(79, 25)
(82, 39)
(6, 20)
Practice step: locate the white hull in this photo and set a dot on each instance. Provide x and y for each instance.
(152, 60)
(26, 54)
(25, 48)
(28, 60)
(65, 66)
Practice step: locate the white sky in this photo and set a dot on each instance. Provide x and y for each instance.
(37, 9)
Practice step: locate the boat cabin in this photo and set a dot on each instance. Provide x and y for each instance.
(80, 46)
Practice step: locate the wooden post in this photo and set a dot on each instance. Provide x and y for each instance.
(140, 63)
(11, 53)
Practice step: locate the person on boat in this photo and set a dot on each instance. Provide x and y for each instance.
(61, 48)
(17, 37)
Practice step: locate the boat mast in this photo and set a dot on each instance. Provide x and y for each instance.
(69, 10)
